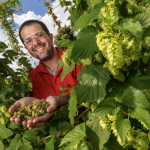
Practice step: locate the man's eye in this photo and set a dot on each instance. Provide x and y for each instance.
(28, 41)
(40, 35)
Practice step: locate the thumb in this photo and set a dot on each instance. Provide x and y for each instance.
(51, 108)
(15, 106)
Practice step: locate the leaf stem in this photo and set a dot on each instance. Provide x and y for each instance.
(82, 114)
(46, 137)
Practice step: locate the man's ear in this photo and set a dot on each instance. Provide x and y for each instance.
(51, 37)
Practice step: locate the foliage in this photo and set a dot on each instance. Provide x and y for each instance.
(110, 108)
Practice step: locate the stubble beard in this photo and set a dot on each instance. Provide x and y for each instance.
(48, 56)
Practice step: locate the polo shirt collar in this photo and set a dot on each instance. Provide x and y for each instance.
(42, 67)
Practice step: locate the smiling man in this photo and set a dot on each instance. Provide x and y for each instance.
(46, 77)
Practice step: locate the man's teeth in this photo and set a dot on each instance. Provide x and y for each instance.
(39, 49)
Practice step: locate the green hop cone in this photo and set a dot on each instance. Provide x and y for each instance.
(6, 81)
(22, 80)
(3, 109)
(98, 57)
(29, 85)
(2, 120)
(93, 106)
(87, 104)
(7, 114)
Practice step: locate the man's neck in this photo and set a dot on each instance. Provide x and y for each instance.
(53, 63)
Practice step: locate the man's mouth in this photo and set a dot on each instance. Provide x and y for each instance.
(39, 48)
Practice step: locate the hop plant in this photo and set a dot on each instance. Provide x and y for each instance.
(105, 123)
(64, 33)
(98, 57)
(32, 111)
(87, 104)
(86, 61)
(146, 42)
(66, 61)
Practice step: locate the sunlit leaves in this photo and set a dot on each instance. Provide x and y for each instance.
(94, 79)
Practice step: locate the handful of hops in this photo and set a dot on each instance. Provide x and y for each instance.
(32, 111)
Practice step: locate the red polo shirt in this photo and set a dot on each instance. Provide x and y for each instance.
(45, 84)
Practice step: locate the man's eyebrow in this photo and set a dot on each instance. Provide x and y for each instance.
(34, 36)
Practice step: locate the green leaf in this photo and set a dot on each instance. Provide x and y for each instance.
(147, 54)
(20, 87)
(5, 132)
(15, 144)
(134, 28)
(86, 44)
(98, 137)
(146, 11)
(1, 145)
(81, 22)
(60, 64)
(105, 107)
(5, 61)
(62, 87)
(2, 97)
(11, 53)
(65, 126)
(72, 106)
(143, 19)
(122, 126)
(24, 144)
(89, 4)
(66, 70)
(134, 98)
(23, 60)
(64, 42)
(49, 144)
(139, 80)
(8, 88)
(74, 136)
(70, 146)
(145, 59)
(2, 50)
(31, 137)
(13, 125)
(94, 2)
(112, 144)
(94, 79)
(95, 11)
(3, 45)
(136, 79)
(140, 114)
(53, 132)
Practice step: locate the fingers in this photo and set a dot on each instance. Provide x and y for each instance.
(16, 120)
(43, 118)
(51, 108)
(53, 104)
(35, 125)
(15, 106)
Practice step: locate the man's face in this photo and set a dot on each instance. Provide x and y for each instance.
(42, 48)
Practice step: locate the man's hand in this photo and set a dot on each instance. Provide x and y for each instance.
(17, 105)
(40, 121)
(37, 122)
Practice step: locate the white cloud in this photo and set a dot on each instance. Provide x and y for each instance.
(3, 36)
(47, 19)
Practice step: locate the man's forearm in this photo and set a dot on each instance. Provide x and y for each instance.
(62, 100)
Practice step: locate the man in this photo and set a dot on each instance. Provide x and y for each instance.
(46, 77)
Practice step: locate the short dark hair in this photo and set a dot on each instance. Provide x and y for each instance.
(29, 22)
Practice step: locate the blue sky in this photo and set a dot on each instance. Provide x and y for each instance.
(33, 5)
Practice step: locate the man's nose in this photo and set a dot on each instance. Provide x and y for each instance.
(35, 41)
